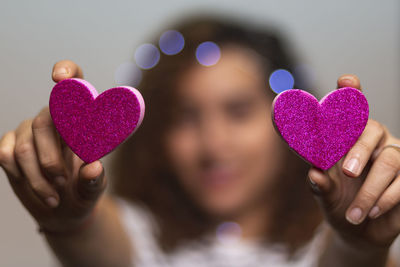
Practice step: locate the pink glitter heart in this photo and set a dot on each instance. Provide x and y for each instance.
(93, 125)
(320, 132)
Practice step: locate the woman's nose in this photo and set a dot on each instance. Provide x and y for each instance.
(214, 135)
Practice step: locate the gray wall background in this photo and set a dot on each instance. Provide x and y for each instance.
(333, 37)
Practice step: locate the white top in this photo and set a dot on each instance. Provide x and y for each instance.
(229, 252)
(223, 252)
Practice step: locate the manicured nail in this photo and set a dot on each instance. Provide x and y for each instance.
(60, 71)
(60, 180)
(52, 202)
(354, 216)
(352, 165)
(374, 212)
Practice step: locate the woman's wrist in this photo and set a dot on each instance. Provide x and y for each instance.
(362, 248)
(81, 226)
(348, 252)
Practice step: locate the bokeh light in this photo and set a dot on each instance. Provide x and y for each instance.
(208, 53)
(281, 80)
(171, 42)
(128, 74)
(229, 232)
(147, 56)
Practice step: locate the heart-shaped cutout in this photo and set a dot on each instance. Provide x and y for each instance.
(93, 125)
(320, 132)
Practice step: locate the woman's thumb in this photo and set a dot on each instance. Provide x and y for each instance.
(322, 186)
(318, 181)
(91, 180)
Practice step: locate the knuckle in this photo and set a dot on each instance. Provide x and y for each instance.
(23, 149)
(368, 196)
(388, 160)
(376, 126)
(373, 123)
(380, 130)
(363, 145)
(51, 165)
(41, 121)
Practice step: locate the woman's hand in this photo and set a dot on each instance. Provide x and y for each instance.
(58, 189)
(360, 195)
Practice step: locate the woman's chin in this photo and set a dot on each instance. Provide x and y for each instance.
(222, 207)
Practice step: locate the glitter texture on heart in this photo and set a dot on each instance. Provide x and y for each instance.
(93, 125)
(320, 132)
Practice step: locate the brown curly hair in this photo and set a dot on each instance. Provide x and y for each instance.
(139, 170)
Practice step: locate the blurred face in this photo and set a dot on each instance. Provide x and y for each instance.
(222, 146)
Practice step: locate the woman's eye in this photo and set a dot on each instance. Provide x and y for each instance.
(186, 116)
(239, 110)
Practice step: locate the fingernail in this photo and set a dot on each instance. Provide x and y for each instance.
(52, 202)
(352, 165)
(93, 181)
(354, 216)
(60, 71)
(374, 212)
(314, 187)
(60, 180)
